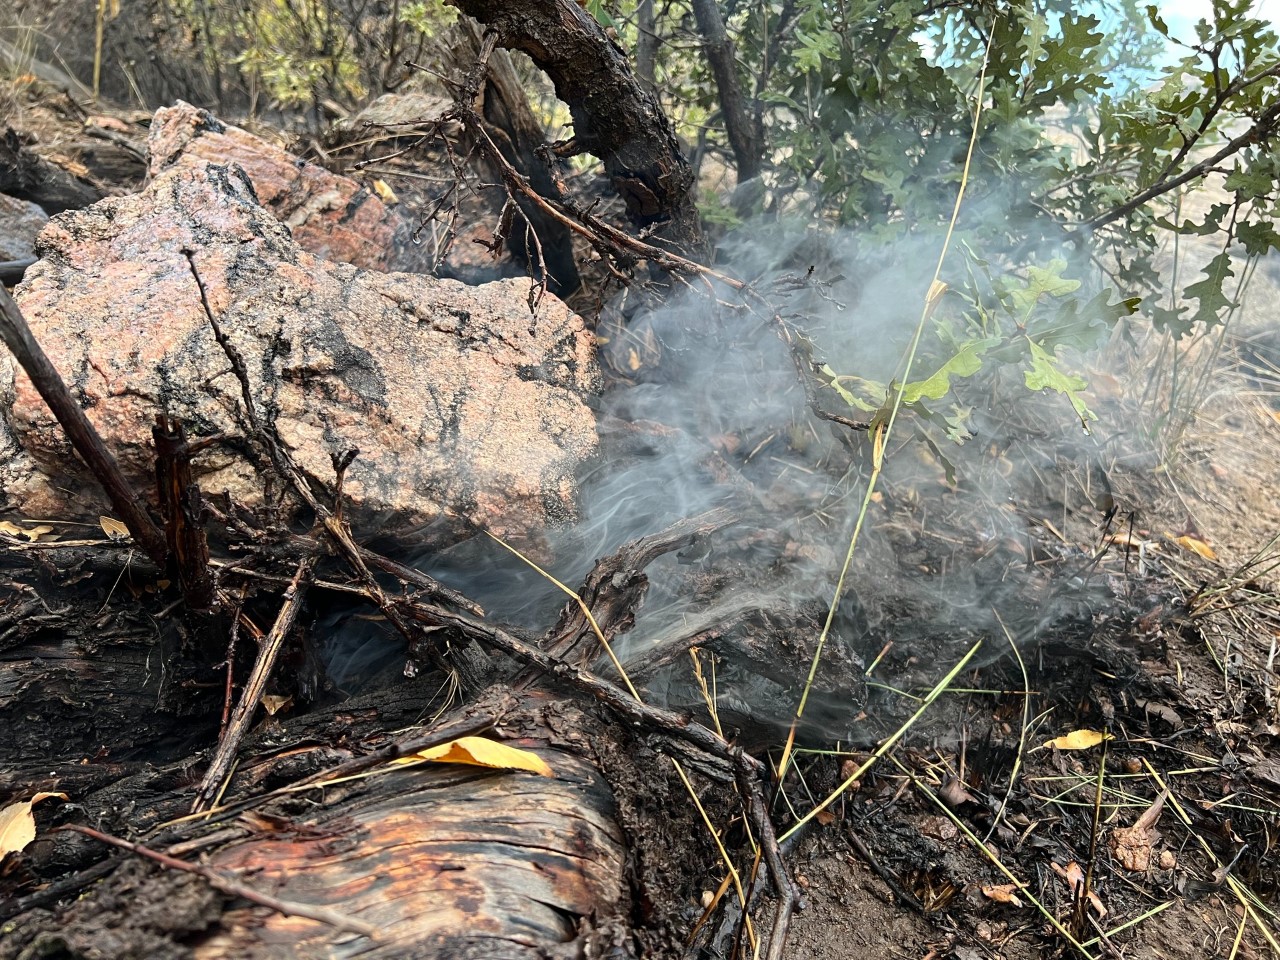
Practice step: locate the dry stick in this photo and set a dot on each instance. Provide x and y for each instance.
(219, 881)
(84, 438)
(268, 652)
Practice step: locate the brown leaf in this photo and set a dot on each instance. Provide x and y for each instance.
(1003, 893)
(954, 794)
(1073, 876)
(114, 529)
(273, 703)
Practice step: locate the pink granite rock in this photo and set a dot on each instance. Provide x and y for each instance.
(329, 215)
(463, 403)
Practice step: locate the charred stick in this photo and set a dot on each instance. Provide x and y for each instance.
(427, 584)
(289, 472)
(11, 271)
(614, 589)
(481, 718)
(181, 507)
(84, 438)
(219, 881)
(268, 653)
(266, 432)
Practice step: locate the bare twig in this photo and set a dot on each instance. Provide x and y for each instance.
(80, 432)
(219, 881)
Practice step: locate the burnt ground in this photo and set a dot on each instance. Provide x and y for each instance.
(1187, 688)
(1170, 651)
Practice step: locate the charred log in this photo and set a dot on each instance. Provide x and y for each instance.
(614, 117)
(518, 135)
(27, 176)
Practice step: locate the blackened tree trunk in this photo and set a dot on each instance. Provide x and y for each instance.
(744, 135)
(614, 117)
(518, 135)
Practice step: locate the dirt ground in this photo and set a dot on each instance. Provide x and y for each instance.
(1195, 697)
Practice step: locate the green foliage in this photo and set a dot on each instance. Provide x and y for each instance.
(300, 52)
(866, 109)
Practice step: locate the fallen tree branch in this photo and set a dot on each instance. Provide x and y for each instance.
(80, 432)
(614, 589)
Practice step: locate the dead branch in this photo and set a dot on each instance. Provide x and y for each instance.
(251, 695)
(614, 116)
(290, 908)
(181, 507)
(80, 432)
(614, 589)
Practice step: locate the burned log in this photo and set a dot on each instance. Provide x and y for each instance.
(615, 118)
(27, 176)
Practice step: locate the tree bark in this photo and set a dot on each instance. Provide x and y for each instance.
(518, 135)
(647, 45)
(614, 117)
(744, 137)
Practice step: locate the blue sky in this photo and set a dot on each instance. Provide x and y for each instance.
(1181, 15)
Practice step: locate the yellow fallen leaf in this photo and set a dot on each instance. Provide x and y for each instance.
(385, 193)
(1079, 740)
(26, 533)
(274, 703)
(114, 529)
(1196, 546)
(18, 826)
(482, 752)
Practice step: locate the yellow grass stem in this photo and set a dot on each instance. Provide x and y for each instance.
(882, 432)
(933, 694)
(724, 855)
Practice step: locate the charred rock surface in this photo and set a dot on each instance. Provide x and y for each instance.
(428, 379)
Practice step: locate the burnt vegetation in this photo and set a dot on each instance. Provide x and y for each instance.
(891, 609)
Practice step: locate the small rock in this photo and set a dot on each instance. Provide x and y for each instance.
(20, 221)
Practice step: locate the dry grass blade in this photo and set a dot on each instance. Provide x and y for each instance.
(882, 431)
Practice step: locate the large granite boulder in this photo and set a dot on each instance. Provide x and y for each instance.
(329, 215)
(467, 406)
